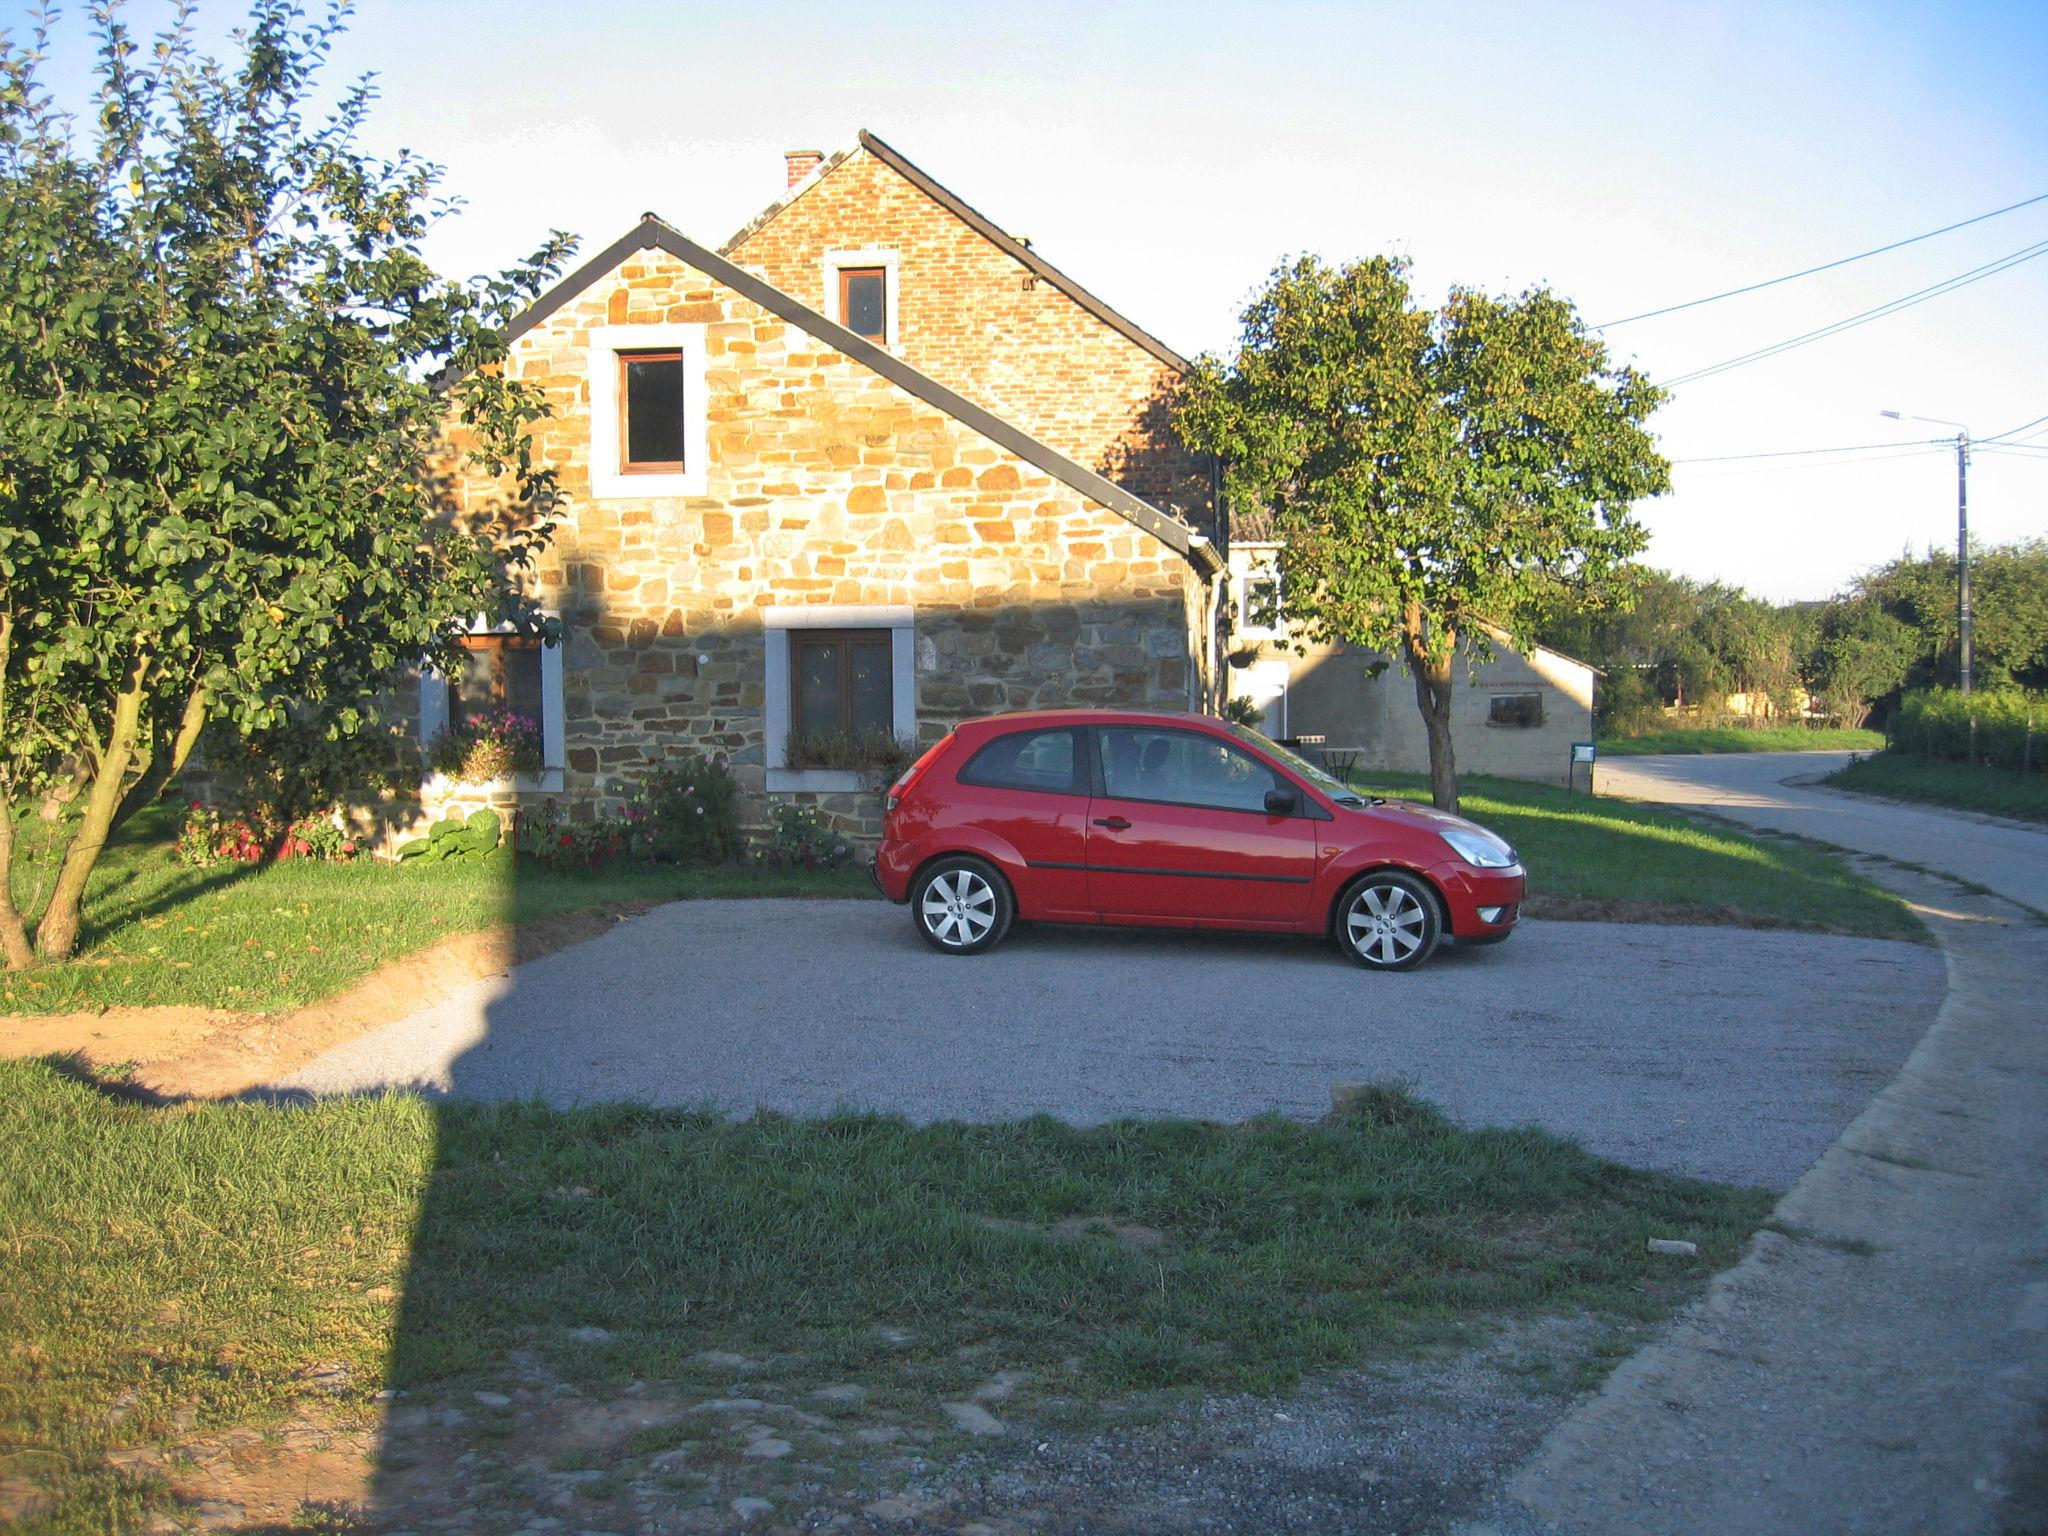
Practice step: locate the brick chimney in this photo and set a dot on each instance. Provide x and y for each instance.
(802, 162)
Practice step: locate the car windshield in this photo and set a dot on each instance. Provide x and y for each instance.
(1335, 788)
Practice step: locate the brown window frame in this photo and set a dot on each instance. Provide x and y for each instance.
(846, 639)
(628, 465)
(497, 646)
(880, 274)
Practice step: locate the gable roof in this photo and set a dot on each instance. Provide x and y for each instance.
(1009, 244)
(653, 234)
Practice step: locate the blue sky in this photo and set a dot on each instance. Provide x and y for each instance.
(1631, 155)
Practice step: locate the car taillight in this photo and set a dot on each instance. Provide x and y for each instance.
(914, 772)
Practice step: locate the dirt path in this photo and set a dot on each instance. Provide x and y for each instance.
(209, 1053)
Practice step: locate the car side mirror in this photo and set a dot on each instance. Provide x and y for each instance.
(1282, 802)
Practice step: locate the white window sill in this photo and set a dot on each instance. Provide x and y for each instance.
(823, 781)
(616, 487)
(547, 782)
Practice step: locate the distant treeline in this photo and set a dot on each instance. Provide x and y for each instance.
(1849, 659)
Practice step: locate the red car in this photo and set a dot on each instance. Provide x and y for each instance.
(1151, 819)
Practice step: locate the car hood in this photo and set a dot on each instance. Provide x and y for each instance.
(1428, 818)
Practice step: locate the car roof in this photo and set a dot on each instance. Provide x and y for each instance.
(1079, 716)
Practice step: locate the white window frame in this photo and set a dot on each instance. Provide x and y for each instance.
(777, 625)
(1248, 624)
(838, 261)
(608, 480)
(553, 746)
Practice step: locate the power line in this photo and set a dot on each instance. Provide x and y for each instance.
(1892, 307)
(1778, 469)
(2013, 431)
(1828, 266)
(1795, 453)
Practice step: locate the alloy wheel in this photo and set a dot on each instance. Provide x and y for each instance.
(959, 908)
(1389, 924)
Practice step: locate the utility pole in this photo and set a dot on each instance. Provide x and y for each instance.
(1962, 538)
(1963, 555)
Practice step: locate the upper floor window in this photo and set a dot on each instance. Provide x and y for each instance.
(1261, 612)
(864, 302)
(651, 422)
(861, 293)
(647, 411)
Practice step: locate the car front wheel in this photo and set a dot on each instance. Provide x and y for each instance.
(962, 906)
(1389, 921)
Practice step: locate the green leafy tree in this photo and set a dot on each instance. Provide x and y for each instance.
(1859, 656)
(2009, 604)
(225, 372)
(1428, 473)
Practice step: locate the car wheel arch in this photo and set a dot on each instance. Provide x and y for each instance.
(1350, 879)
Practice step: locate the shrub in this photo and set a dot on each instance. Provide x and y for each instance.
(246, 837)
(685, 812)
(456, 838)
(491, 745)
(1999, 728)
(798, 836)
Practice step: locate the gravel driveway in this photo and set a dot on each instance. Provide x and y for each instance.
(1725, 1052)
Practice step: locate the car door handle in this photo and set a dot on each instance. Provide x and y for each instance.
(1114, 823)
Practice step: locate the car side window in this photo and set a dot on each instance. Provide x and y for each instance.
(1042, 760)
(1182, 768)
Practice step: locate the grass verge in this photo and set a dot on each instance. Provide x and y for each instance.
(1723, 738)
(261, 938)
(175, 1272)
(1610, 858)
(1964, 786)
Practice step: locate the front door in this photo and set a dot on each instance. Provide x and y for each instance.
(1181, 831)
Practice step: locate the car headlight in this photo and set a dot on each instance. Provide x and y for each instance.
(1477, 846)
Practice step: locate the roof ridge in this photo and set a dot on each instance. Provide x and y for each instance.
(653, 231)
(975, 220)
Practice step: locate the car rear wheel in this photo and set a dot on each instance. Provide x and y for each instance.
(1389, 921)
(961, 905)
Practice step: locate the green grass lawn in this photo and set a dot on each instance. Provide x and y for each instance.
(1966, 786)
(1579, 848)
(173, 1272)
(1736, 738)
(268, 937)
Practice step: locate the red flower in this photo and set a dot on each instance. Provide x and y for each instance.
(566, 840)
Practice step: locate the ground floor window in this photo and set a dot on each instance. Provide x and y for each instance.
(502, 677)
(838, 678)
(840, 682)
(1516, 709)
(502, 674)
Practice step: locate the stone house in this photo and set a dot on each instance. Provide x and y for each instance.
(1516, 713)
(877, 467)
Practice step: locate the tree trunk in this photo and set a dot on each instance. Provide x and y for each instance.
(57, 933)
(167, 759)
(1433, 693)
(14, 945)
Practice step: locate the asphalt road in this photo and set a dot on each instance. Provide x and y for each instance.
(1879, 1360)
(1775, 790)
(1725, 1052)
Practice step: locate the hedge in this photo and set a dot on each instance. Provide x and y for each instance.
(2003, 728)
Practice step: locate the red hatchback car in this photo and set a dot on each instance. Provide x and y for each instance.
(1177, 821)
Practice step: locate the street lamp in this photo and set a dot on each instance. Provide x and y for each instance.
(1962, 536)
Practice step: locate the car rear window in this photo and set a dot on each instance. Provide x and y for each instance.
(1042, 760)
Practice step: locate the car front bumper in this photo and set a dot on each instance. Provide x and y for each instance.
(1483, 903)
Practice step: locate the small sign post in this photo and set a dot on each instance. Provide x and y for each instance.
(1582, 752)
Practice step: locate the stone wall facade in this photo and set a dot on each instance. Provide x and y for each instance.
(973, 315)
(828, 490)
